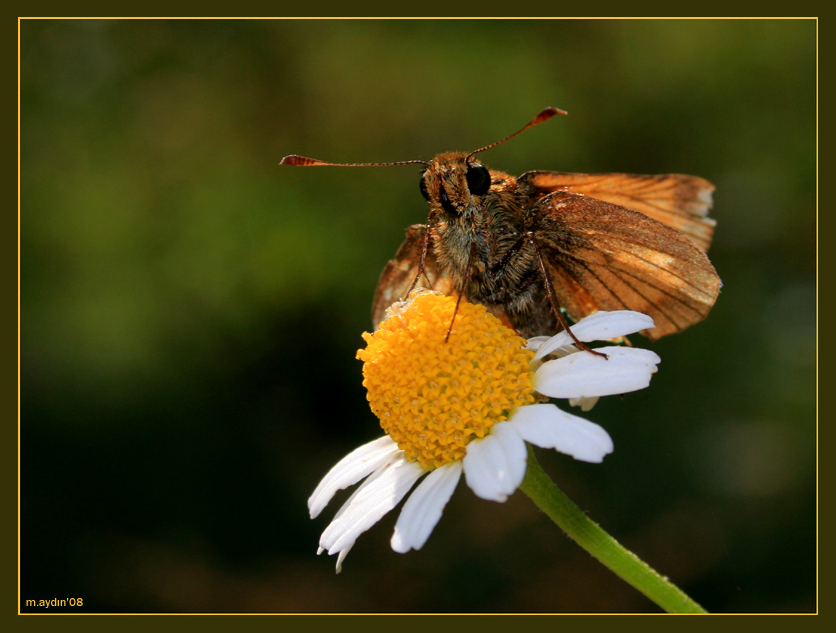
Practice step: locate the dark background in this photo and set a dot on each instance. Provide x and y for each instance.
(190, 310)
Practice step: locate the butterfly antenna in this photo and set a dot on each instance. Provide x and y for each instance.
(545, 115)
(304, 161)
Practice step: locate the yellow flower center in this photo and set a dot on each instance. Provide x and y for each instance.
(433, 397)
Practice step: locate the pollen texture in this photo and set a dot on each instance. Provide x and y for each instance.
(433, 397)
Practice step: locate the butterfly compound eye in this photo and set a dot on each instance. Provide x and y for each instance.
(478, 179)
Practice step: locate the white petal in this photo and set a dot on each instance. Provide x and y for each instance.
(585, 375)
(423, 509)
(495, 465)
(341, 557)
(556, 352)
(349, 470)
(395, 461)
(546, 426)
(377, 496)
(598, 327)
(585, 404)
(380, 470)
(535, 342)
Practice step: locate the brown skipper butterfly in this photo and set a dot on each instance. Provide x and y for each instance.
(527, 246)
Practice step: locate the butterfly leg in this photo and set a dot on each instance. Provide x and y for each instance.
(422, 264)
(461, 294)
(532, 239)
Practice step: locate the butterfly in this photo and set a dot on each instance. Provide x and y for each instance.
(532, 247)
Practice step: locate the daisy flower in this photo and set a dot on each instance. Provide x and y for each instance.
(468, 406)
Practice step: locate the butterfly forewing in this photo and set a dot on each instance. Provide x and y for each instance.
(676, 200)
(601, 256)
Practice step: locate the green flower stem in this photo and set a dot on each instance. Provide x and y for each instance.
(601, 545)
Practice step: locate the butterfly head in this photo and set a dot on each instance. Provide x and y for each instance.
(452, 180)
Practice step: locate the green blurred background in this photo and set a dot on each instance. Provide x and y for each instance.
(190, 310)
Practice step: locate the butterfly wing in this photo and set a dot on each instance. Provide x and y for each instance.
(399, 273)
(676, 200)
(601, 256)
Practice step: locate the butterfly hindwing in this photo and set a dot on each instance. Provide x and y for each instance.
(400, 272)
(602, 256)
